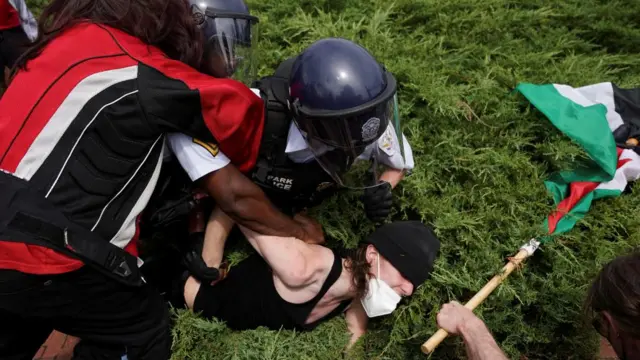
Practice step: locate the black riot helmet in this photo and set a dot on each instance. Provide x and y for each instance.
(343, 101)
(231, 34)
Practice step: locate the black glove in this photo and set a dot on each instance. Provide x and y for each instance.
(195, 264)
(198, 268)
(171, 211)
(378, 201)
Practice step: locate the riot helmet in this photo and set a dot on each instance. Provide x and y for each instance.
(231, 34)
(343, 101)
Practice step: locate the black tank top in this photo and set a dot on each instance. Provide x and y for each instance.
(247, 298)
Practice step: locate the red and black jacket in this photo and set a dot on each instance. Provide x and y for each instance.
(84, 126)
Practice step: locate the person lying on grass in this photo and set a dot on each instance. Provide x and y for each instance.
(291, 284)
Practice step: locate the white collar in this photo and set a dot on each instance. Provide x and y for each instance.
(295, 140)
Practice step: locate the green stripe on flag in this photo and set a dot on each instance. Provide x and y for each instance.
(569, 220)
(576, 213)
(589, 128)
(586, 125)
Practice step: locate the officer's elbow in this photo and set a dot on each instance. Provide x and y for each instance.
(236, 195)
(219, 185)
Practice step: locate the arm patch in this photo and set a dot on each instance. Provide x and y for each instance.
(210, 147)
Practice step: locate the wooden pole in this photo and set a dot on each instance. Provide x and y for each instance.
(478, 298)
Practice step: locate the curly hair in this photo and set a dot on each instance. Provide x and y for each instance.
(356, 262)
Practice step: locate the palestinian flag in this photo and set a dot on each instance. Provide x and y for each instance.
(605, 121)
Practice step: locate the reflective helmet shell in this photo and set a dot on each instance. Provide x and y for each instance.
(230, 32)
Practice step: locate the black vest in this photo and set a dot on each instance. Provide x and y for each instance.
(290, 186)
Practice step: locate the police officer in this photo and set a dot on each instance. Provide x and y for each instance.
(328, 107)
(329, 110)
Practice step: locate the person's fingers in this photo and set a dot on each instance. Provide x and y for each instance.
(448, 307)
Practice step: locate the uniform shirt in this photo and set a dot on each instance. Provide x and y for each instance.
(199, 158)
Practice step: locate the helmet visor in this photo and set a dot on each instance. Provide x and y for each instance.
(232, 44)
(346, 147)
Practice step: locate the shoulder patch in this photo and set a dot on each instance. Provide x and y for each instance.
(387, 142)
(210, 147)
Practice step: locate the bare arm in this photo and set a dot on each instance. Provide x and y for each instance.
(218, 229)
(295, 263)
(457, 319)
(392, 176)
(248, 206)
(215, 236)
(479, 342)
(357, 321)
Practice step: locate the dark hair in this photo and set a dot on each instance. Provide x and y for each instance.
(166, 24)
(356, 262)
(616, 290)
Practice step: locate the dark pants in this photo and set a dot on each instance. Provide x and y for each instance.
(13, 43)
(110, 319)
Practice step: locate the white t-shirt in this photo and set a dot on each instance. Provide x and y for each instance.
(199, 159)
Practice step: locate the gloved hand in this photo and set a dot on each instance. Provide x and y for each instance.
(198, 268)
(194, 262)
(377, 202)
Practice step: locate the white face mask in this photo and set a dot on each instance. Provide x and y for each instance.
(381, 299)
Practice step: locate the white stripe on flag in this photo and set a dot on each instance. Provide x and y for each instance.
(590, 95)
(628, 172)
(48, 138)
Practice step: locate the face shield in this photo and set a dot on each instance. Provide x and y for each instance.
(230, 37)
(345, 142)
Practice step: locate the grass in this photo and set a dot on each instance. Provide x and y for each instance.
(481, 157)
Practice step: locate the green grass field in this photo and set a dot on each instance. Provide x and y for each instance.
(481, 155)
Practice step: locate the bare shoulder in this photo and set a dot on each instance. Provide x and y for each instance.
(304, 276)
(322, 254)
(317, 263)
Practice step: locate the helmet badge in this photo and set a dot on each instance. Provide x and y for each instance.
(197, 15)
(370, 129)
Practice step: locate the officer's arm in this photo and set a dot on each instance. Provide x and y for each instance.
(239, 197)
(178, 99)
(247, 204)
(392, 176)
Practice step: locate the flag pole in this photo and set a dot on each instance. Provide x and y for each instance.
(525, 251)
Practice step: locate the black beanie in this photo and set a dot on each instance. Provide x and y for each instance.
(410, 246)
